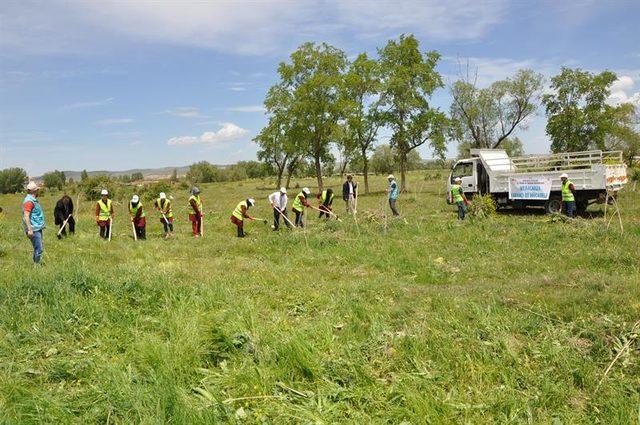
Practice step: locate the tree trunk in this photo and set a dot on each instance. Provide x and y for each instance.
(291, 168)
(403, 171)
(280, 173)
(319, 172)
(365, 171)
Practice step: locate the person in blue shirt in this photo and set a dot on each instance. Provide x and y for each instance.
(33, 220)
(392, 192)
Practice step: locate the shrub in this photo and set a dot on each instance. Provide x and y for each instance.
(91, 186)
(54, 179)
(483, 206)
(12, 180)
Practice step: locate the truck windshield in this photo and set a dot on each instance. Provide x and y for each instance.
(463, 169)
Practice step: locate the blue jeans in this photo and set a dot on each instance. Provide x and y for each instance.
(462, 210)
(568, 208)
(36, 241)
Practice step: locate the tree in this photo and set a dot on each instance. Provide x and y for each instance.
(625, 132)
(409, 79)
(54, 179)
(513, 147)
(361, 88)
(84, 175)
(486, 117)
(311, 83)
(137, 176)
(203, 172)
(578, 117)
(13, 180)
(275, 147)
(174, 176)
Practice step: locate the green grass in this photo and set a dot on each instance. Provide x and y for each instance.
(509, 319)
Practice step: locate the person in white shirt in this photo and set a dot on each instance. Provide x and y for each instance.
(278, 202)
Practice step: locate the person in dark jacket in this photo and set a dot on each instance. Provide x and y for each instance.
(349, 193)
(64, 212)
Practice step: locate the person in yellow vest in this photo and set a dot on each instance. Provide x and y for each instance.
(298, 205)
(568, 195)
(104, 212)
(138, 217)
(163, 206)
(459, 198)
(240, 213)
(326, 201)
(195, 213)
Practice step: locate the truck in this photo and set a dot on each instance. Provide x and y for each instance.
(534, 180)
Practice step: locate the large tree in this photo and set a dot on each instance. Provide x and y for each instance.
(312, 81)
(409, 78)
(578, 115)
(275, 149)
(12, 180)
(54, 179)
(361, 89)
(487, 117)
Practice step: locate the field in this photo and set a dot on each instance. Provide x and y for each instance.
(514, 318)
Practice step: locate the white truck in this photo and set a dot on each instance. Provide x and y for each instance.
(534, 181)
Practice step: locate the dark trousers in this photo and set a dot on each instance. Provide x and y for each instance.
(72, 227)
(141, 232)
(392, 204)
(569, 207)
(276, 218)
(462, 210)
(299, 218)
(104, 231)
(168, 226)
(326, 206)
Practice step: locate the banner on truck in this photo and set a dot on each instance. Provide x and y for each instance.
(530, 187)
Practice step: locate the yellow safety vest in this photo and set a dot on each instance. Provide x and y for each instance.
(134, 210)
(324, 197)
(237, 213)
(166, 206)
(105, 210)
(567, 195)
(297, 204)
(456, 193)
(198, 203)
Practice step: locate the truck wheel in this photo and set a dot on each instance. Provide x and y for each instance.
(553, 206)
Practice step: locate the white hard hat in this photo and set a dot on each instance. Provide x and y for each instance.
(306, 190)
(251, 201)
(135, 199)
(32, 186)
(283, 190)
(457, 179)
(104, 192)
(564, 176)
(390, 176)
(162, 195)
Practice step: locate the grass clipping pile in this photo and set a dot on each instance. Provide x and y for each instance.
(483, 206)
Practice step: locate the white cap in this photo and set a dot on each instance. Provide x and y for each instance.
(104, 192)
(457, 179)
(135, 199)
(306, 190)
(251, 201)
(390, 176)
(283, 190)
(32, 186)
(162, 195)
(564, 176)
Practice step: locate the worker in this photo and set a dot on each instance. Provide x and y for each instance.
(104, 214)
(33, 220)
(299, 203)
(138, 219)
(240, 213)
(349, 193)
(568, 195)
(195, 216)
(326, 201)
(163, 206)
(278, 201)
(63, 216)
(459, 198)
(392, 193)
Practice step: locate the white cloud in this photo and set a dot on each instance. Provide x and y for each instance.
(241, 27)
(115, 121)
(90, 104)
(185, 112)
(622, 92)
(227, 133)
(250, 108)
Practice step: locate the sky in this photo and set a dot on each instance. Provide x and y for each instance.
(116, 85)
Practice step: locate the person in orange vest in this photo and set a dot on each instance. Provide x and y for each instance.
(138, 217)
(104, 213)
(240, 213)
(195, 215)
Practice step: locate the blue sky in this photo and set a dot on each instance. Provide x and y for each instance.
(135, 84)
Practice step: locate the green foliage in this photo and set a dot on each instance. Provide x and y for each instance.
(385, 161)
(512, 145)
(137, 177)
(486, 118)
(12, 180)
(482, 206)
(84, 175)
(174, 176)
(54, 179)
(579, 117)
(91, 186)
(409, 79)
(203, 172)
